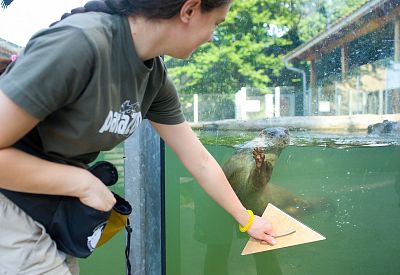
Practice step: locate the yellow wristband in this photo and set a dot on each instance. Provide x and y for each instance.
(249, 223)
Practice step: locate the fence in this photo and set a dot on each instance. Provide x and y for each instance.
(247, 103)
(369, 89)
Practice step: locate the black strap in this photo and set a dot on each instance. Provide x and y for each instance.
(128, 247)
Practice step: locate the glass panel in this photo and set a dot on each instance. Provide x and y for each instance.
(110, 257)
(353, 198)
(329, 72)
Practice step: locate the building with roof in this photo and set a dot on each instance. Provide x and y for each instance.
(354, 65)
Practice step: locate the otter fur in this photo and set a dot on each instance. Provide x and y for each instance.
(384, 128)
(249, 171)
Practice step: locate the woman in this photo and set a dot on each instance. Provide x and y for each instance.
(82, 86)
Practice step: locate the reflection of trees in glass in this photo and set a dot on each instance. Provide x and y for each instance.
(318, 15)
(244, 50)
(248, 48)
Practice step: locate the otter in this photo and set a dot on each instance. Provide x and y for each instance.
(384, 128)
(249, 175)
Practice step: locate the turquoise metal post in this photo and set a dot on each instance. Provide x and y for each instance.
(143, 189)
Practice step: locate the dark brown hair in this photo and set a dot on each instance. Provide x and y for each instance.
(152, 9)
(4, 63)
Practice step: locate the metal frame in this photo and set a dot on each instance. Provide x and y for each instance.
(144, 189)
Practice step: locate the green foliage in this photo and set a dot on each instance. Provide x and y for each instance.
(318, 15)
(238, 56)
(248, 48)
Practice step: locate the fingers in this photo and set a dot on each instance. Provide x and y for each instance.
(108, 206)
(268, 237)
(262, 230)
(269, 240)
(268, 229)
(269, 233)
(97, 195)
(106, 199)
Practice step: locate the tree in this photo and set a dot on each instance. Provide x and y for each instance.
(239, 54)
(318, 15)
(248, 48)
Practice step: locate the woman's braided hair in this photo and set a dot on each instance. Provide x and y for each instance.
(151, 9)
(4, 63)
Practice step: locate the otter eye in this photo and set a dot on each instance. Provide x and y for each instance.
(271, 133)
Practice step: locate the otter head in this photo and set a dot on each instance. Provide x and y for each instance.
(276, 136)
(273, 139)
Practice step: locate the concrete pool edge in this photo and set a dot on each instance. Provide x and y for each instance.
(317, 123)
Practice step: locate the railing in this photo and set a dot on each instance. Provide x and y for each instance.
(369, 89)
(245, 104)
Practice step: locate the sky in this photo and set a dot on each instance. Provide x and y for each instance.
(25, 17)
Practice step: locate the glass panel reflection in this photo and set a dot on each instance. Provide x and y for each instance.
(360, 187)
(327, 71)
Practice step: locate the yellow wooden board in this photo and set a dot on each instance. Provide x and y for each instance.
(283, 224)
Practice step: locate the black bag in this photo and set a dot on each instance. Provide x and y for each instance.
(75, 227)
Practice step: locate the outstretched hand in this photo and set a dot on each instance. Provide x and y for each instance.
(262, 230)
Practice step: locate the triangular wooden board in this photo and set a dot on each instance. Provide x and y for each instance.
(282, 223)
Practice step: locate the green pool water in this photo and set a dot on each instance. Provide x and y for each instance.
(360, 176)
(109, 259)
(361, 179)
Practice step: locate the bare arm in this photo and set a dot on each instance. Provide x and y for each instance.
(210, 176)
(20, 171)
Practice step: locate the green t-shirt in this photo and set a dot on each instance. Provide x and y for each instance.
(85, 83)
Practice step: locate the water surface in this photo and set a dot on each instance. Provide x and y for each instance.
(359, 174)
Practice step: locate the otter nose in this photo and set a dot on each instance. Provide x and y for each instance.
(276, 132)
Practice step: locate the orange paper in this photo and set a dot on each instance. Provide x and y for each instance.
(282, 224)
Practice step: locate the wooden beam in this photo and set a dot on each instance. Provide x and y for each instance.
(313, 75)
(313, 86)
(345, 61)
(396, 39)
(352, 33)
(395, 101)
